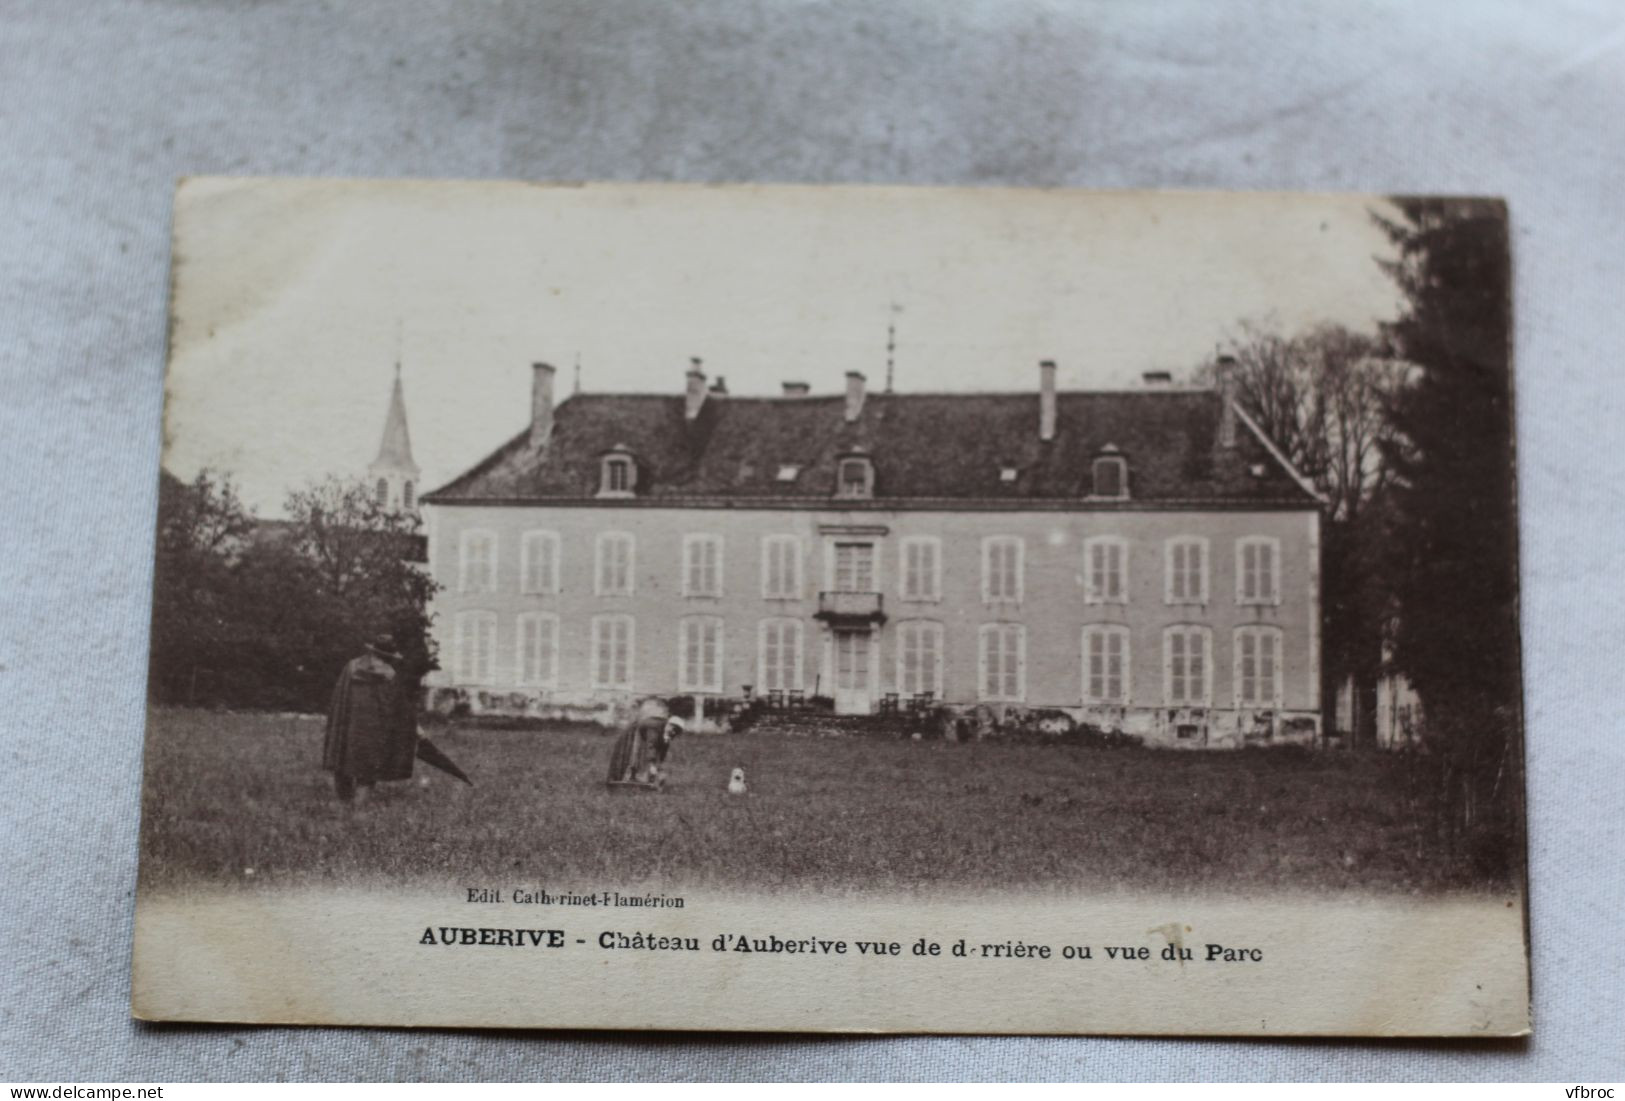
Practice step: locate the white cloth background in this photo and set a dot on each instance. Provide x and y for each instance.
(104, 103)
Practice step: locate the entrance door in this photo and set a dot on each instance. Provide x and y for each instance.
(852, 690)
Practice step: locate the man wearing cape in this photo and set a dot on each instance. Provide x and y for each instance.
(372, 723)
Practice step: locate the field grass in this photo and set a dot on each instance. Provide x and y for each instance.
(240, 798)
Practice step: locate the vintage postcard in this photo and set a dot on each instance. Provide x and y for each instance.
(835, 608)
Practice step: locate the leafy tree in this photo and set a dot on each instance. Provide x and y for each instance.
(264, 613)
(358, 561)
(1455, 532)
(203, 530)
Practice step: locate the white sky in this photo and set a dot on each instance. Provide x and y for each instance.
(291, 298)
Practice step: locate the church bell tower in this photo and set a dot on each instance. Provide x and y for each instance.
(393, 476)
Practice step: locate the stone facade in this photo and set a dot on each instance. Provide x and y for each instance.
(1184, 625)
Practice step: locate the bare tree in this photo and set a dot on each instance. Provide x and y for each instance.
(1324, 397)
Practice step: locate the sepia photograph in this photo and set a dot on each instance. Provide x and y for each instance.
(1101, 607)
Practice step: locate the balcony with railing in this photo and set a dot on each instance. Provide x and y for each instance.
(851, 609)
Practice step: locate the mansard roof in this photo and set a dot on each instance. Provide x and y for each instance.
(944, 448)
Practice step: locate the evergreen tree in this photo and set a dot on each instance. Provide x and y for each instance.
(1454, 525)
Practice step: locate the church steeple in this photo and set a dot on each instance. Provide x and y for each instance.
(393, 474)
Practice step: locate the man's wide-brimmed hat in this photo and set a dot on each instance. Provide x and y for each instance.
(384, 646)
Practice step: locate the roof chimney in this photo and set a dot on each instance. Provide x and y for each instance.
(1157, 378)
(1225, 372)
(719, 385)
(1046, 399)
(695, 396)
(796, 389)
(541, 404)
(854, 395)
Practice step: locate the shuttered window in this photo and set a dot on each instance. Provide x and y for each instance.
(921, 568)
(1003, 658)
(538, 649)
(1187, 571)
(1258, 566)
(1106, 570)
(779, 655)
(702, 565)
(539, 562)
(1002, 581)
(781, 567)
(699, 659)
(1105, 664)
(1186, 666)
(476, 641)
(613, 571)
(477, 562)
(919, 658)
(612, 640)
(1258, 667)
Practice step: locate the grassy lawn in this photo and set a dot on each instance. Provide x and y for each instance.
(240, 798)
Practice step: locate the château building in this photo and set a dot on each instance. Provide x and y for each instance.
(1145, 560)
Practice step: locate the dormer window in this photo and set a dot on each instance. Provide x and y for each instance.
(855, 477)
(618, 477)
(1110, 475)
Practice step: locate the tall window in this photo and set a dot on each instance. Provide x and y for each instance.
(919, 658)
(699, 658)
(779, 655)
(1111, 476)
(381, 493)
(854, 570)
(1106, 570)
(538, 649)
(1105, 664)
(613, 572)
(921, 567)
(408, 495)
(612, 638)
(1186, 582)
(1002, 569)
(1187, 663)
(475, 635)
(781, 567)
(702, 565)
(1258, 667)
(477, 562)
(539, 562)
(1003, 661)
(1258, 570)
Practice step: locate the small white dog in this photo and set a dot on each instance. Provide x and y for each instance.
(736, 782)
